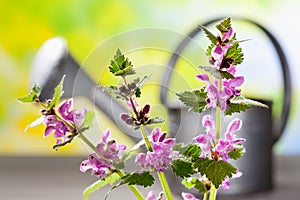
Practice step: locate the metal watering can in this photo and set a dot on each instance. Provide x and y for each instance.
(259, 128)
(53, 60)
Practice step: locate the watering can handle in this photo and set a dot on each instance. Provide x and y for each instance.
(278, 128)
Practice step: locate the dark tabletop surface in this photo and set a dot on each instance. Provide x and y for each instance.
(39, 178)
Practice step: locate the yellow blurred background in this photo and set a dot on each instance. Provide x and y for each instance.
(26, 25)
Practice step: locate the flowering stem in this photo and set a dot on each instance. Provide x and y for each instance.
(165, 185)
(87, 142)
(218, 115)
(147, 142)
(213, 192)
(205, 196)
(135, 191)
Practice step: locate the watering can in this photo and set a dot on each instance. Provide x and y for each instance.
(53, 60)
(259, 129)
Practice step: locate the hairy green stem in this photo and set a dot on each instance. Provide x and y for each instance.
(147, 142)
(135, 191)
(87, 142)
(213, 192)
(218, 115)
(205, 196)
(165, 185)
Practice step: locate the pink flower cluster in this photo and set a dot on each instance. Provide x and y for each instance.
(162, 154)
(70, 120)
(108, 154)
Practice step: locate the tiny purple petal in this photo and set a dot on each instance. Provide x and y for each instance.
(203, 77)
(235, 125)
(106, 136)
(188, 196)
(208, 122)
(150, 196)
(146, 109)
(202, 138)
(228, 34)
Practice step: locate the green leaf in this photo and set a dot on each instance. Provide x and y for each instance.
(237, 152)
(195, 100)
(248, 102)
(224, 25)
(35, 123)
(182, 168)
(137, 92)
(240, 103)
(112, 178)
(190, 151)
(236, 108)
(235, 52)
(145, 179)
(155, 120)
(209, 35)
(58, 92)
(216, 73)
(114, 91)
(88, 118)
(120, 66)
(32, 96)
(209, 49)
(215, 171)
(196, 183)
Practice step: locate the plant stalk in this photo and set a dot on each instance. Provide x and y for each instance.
(213, 192)
(147, 142)
(165, 185)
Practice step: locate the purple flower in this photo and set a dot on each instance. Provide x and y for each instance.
(151, 196)
(75, 117)
(207, 141)
(188, 196)
(63, 110)
(227, 35)
(214, 96)
(210, 148)
(162, 153)
(109, 153)
(224, 147)
(231, 84)
(58, 127)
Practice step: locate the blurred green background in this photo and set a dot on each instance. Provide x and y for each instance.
(26, 25)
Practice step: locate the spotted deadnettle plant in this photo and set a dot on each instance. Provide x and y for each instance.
(204, 164)
(109, 153)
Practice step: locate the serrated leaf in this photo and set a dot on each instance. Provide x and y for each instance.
(35, 123)
(182, 168)
(32, 96)
(88, 118)
(155, 120)
(248, 102)
(145, 179)
(209, 35)
(236, 108)
(209, 49)
(120, 66)
(192, 151)
(215, 171)
(235, 52)
(114, 91)
(137, 92)
(196, 183)
(112, 178)
(224, 25)
(237, 152)
(217, 73)
(58, 92)
(195, 100)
